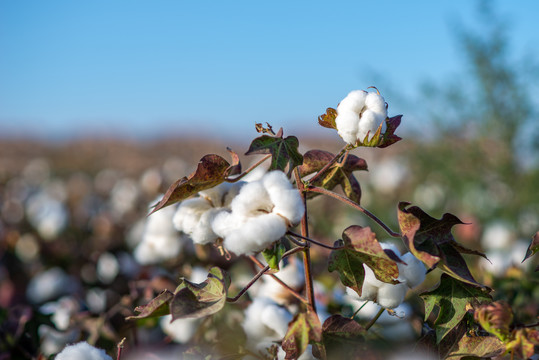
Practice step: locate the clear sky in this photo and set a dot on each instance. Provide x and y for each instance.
(147, 68)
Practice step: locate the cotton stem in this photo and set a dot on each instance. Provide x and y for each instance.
(292, 234)
(309, 287)
(355, 206)
(375, 318)
(328, 165)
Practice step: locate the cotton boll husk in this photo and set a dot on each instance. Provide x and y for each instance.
(368, 123)
(203, 233)
(82, 351)
(188, 214)
(354, 101)
(390, 296)
(180, 330)
(255, 234)
(376, 103)
(414, 272)
(347, 123)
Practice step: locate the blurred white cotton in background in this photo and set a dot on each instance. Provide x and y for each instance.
(107, 267)
(50, 284)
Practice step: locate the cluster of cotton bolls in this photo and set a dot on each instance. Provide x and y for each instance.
(247, 215)
(360, 114)
(389, 296)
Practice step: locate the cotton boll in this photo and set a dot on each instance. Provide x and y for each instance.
(255, 234)
(354, 101)
(414, 272)
(390, 296)
(203, 233)
(50, 284)
(276, 318)
(376, 103)
(497, 235)
(371, 278)
(180, 330)
(252, 200)
(347, 123)
(82, 351)
(188, 214)
(157, 248)
(368, 124)
(289, 204)
(392, 247)
(107, 267)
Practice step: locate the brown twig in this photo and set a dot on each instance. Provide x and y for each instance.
(314, 241)
(328, 165)
(120, 347)
(355, 205)
(373, 320)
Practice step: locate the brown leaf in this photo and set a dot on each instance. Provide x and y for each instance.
(211, 171)
(305, 328)
(158, 306)
(533, 248)
(327, 120)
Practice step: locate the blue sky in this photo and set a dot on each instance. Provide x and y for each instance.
(162, 67)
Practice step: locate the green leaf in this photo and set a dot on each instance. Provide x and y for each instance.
(284, 151)
(337, 174)
(200, 300)
(533, 248)
(327, 120)
(305, 328)
(159, 306)
(453, 297)
(211, 171)
(274, 254)
(361, 247)
(431, 241)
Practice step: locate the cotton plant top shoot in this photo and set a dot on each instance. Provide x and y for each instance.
(253, 215)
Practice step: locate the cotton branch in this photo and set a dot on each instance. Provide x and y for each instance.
(313, 241)
(239, 177)
(355, 205)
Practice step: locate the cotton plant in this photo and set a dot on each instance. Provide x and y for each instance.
(264, 221)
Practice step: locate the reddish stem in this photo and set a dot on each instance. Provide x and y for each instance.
(354, 205)
(328, 165)
(314, 241)
(239, 177)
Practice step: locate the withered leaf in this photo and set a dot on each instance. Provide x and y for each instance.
(211, 171)
(533, 248)
(431, 241)
(327, 120)
(337, 174)
(361, 247)
(158, 306)
(305, 328)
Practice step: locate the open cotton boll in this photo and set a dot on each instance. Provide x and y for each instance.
(252, 200)
(368, 124)
(390, 296)
(287, 200)
(413, 273)
(251, 234)
(347, 123)
(376, 103)
(222, 194)
(188, 214)
(265, 320)
(82, 351)
(203, 233)
(180, 330)
(354, 101)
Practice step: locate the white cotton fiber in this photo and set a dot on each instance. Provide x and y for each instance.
(252, 200)
(368, 291)
(180, 330)
(255, 234)
(288, 203)
(390, 296)
(367, 125)
(392, 247)
(347, 123)
(414, 272)
(292, 274)
(354, 101)
(276, 318)
(376, 103)
(265, 320)
(188, 214)
(203, 233)
(82, 351)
